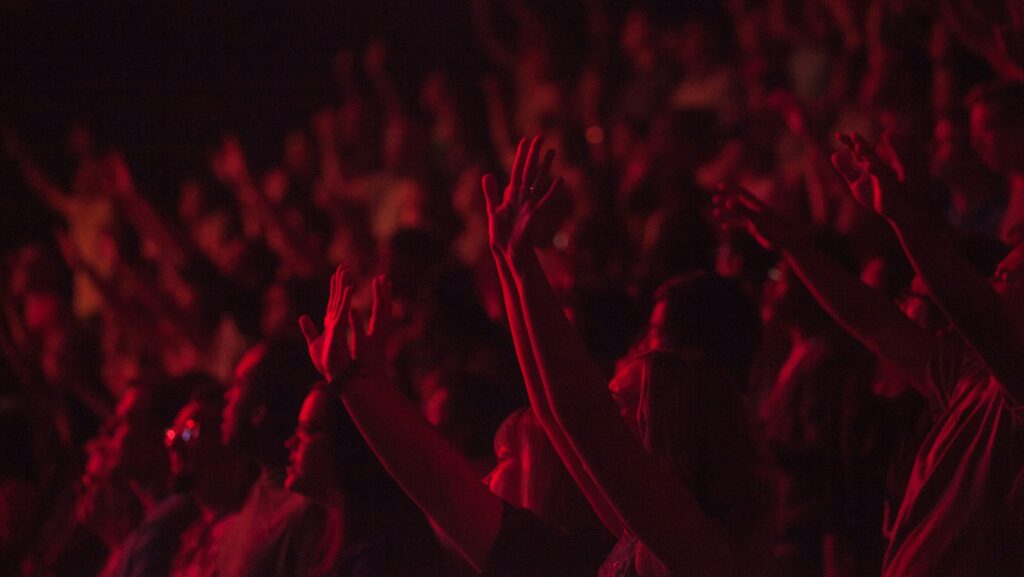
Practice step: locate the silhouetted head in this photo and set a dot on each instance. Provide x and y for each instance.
(690, 415)
(264, 399)
(709, 314)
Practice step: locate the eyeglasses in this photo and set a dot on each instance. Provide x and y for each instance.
(186, 434)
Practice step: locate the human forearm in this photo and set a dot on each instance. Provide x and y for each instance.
(969, 301)
(865, 313)
(431, 471)
(539, 402)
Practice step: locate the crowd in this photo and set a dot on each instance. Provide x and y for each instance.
(751, 302)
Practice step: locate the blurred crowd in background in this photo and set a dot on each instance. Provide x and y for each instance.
(124, 329)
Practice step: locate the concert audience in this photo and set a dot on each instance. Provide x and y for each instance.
(587, 344)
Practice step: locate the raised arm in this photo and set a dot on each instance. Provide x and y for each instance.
(429, 469)
(648, 498)
(975, 308)
(501, 213)
(865, 313)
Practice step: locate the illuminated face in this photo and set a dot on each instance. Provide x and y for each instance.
(312, 458)
(194, 442)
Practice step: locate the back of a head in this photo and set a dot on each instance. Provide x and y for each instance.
(693, 418)
(710, 314)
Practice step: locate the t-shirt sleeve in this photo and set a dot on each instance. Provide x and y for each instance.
(527, 546)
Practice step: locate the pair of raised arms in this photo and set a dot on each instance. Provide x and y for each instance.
(875, 178)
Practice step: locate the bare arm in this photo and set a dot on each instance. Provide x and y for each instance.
(864, 312)
(650, 500)
(972, 304)
(500, 214)
(432, 472)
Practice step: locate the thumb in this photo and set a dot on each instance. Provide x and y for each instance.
(308, 329)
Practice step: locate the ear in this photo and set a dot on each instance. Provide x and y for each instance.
(258, 416)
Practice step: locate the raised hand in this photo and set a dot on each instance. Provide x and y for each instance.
(512, 216)
(874, 181)
(736, 208)
(330, 351)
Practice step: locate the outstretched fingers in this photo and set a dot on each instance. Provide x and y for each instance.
(332, 295)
